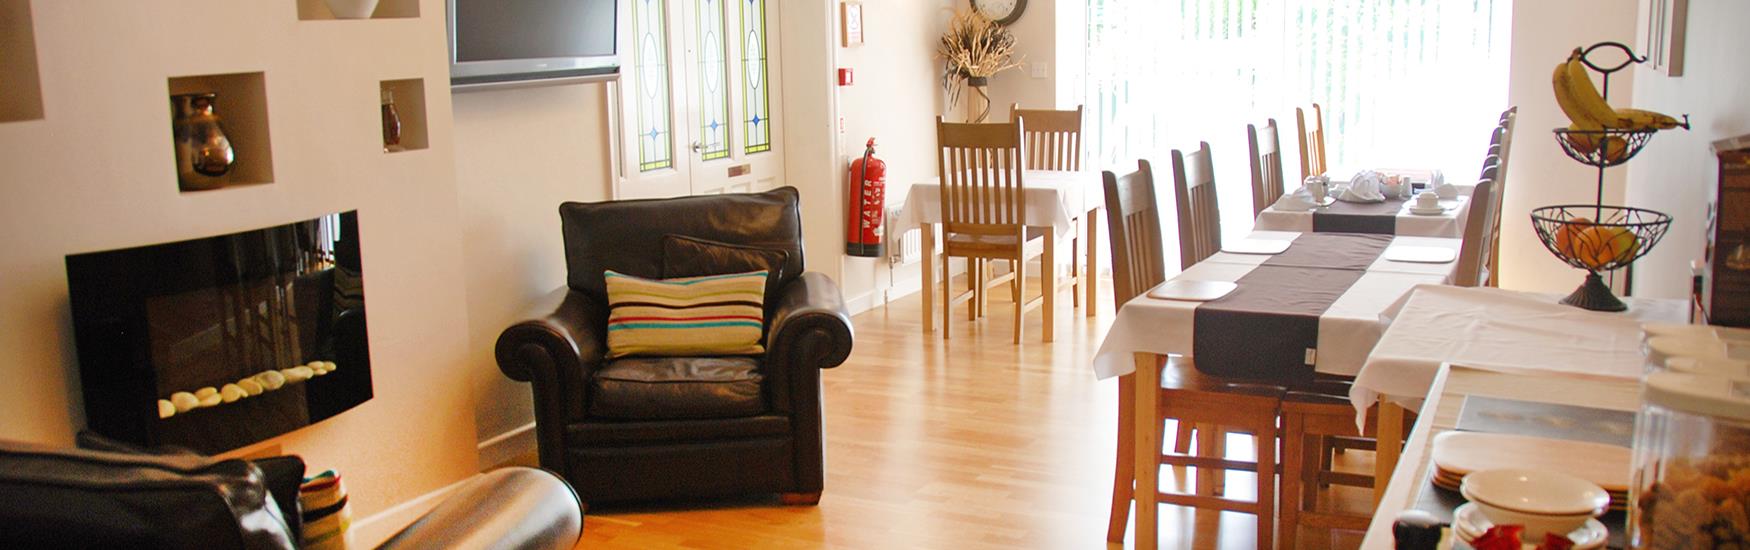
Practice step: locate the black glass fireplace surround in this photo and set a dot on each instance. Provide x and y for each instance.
(216, 343)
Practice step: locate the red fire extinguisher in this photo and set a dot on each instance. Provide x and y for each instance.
(868, 194)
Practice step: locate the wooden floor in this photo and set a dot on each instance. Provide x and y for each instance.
(968, 443)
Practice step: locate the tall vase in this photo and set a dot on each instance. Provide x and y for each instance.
(203, 154)
(978, 102)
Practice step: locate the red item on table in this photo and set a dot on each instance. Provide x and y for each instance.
(1499, 537)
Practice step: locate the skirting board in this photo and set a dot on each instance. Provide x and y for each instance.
(371, 531)
(500, 449)
(493, 452)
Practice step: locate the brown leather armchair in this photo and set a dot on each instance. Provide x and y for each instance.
(679, 433)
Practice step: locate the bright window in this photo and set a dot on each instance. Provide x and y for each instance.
(1403, 83)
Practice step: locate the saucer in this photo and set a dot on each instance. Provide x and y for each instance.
(1329, 200)
(1435, 211)
(1468, 523)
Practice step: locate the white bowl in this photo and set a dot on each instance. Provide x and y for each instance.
(1544, 502)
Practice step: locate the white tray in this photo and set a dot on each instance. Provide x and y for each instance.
(1192, 291)
(1256, 246)
(1420, 254)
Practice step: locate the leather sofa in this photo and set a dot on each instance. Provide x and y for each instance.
(120, 497)
(641, 428)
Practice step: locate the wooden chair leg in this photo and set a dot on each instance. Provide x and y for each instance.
(1124, 472)
(1265, 441)
(1182, 441)
(1293, 461)
(1206, 447)
(975, 275)
(947, 297)
(1020, 287)
(1075, 269)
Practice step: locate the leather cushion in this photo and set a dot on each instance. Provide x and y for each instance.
(626, 236)
(677, 387)
(684, 256)
(645, 432)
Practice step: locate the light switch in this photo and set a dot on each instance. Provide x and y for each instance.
(1040, 69)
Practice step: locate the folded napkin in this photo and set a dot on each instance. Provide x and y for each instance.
(1364, 187)
(1437, 184)
(1300, 200)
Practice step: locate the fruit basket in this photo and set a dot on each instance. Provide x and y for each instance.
(1598, 239)
(1603, 148)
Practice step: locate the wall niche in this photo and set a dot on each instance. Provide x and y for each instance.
(21, 94)
(409, 100)
(240, 101)
(317, 10)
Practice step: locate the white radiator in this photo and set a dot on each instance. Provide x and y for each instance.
(904, 248)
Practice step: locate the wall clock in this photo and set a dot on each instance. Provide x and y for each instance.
(1003, 12)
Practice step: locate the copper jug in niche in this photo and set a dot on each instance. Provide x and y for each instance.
(203, 154)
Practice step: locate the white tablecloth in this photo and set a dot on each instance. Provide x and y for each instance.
(1347, 330)
(1447, 224)
(1502, 330)
(1053, 199)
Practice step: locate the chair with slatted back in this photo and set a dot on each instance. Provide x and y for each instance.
(1199, 214)
(1473, 253)
(1053, 140)
(983, 214)
(1508, 119)
(1312, 141)
(1186, 394)
(1266, 149)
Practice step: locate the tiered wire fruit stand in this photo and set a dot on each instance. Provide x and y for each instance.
(1596, 237)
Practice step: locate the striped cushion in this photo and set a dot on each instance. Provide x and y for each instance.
(710, 315)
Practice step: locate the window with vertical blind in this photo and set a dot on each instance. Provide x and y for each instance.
(1403, 83)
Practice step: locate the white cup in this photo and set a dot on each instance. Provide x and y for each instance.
(1427, 200)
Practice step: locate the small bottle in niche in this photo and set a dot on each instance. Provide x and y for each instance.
(391, 123)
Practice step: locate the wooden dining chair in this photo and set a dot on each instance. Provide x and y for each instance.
(1266, 149)
(983, 214)
(1053, 140)
(1508, 120)
(1186, 395)
(1473, 253)
(1199, 214)
(1312, 141)
(1311, 418)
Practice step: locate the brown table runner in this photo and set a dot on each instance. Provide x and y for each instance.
(1380, 218)
(1265, 327)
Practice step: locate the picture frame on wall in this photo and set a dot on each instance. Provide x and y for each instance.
(851, 23)
(1664, 30)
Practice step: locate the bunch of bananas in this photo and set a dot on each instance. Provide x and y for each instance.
(1580, 100)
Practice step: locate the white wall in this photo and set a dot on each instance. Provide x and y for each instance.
(97, 173)
(1544, 31)
(895, 98)
(1678, 173)
(519, 153)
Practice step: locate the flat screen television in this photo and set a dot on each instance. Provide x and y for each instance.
(494, 41)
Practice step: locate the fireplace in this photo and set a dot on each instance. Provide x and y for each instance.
(219, 342)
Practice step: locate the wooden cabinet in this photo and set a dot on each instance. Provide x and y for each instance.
(1726, 290)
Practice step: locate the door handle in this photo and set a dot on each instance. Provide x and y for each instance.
(697, 147)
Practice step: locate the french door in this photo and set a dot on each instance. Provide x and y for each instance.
(697, 100)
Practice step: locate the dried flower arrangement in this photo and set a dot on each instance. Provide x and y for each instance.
(974, 49)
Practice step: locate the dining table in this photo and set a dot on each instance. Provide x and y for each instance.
(1054, 200)
(1310, 306)
(1391, 216)
(1505, 331)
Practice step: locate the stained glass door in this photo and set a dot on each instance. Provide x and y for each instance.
(721, 66)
